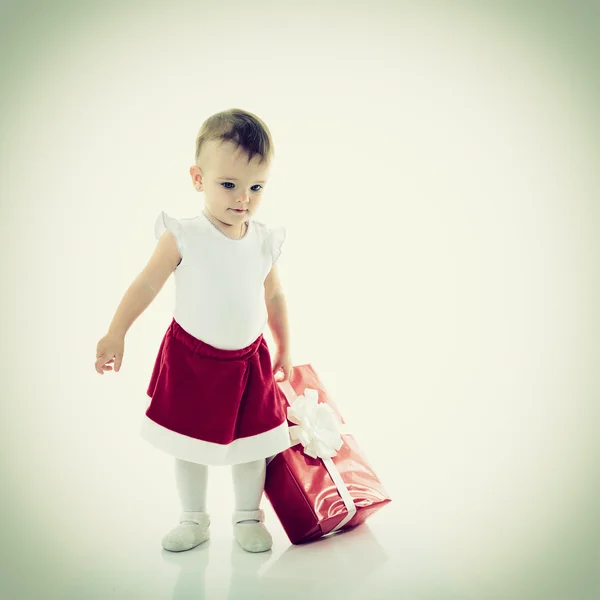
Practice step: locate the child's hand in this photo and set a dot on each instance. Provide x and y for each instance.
(283, 361)
(110, 348)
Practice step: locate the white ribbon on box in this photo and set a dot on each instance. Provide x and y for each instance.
(319, 431)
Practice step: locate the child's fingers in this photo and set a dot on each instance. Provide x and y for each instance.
(98, 364)
(101, 363)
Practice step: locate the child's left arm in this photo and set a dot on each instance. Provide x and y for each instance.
(278, 323)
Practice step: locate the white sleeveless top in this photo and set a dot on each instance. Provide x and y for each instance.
(219, 283)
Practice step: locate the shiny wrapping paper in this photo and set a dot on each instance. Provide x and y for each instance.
(300, 488)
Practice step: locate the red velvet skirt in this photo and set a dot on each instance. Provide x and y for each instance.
(214, 406)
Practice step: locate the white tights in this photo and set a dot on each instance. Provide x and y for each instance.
(248, 484)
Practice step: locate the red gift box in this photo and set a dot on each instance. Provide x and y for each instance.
(323, 482)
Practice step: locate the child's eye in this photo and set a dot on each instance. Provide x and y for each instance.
(229, 182)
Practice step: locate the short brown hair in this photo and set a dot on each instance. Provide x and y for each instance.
(243, 128)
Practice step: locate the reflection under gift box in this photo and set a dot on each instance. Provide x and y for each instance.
(323, 483)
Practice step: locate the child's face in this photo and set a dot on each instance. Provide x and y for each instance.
(229, 181)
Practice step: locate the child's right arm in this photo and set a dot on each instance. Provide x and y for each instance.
(138, 296)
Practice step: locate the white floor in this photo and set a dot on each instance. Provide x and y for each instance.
(405, 551)
(382, 558)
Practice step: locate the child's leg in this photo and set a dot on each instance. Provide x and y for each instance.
(191, 479)
(248, 519)
(249, 484)
(193, 525)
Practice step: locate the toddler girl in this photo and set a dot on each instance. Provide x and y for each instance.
(214, 398)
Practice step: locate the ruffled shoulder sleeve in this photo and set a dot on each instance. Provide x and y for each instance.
(278, 235)
(163, 223)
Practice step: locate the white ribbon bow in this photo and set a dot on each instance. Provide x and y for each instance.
(319, 431)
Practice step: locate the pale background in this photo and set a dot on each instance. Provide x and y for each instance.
(437, 172)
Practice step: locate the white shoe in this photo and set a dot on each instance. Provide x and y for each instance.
(193, 529)
(253, 537)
